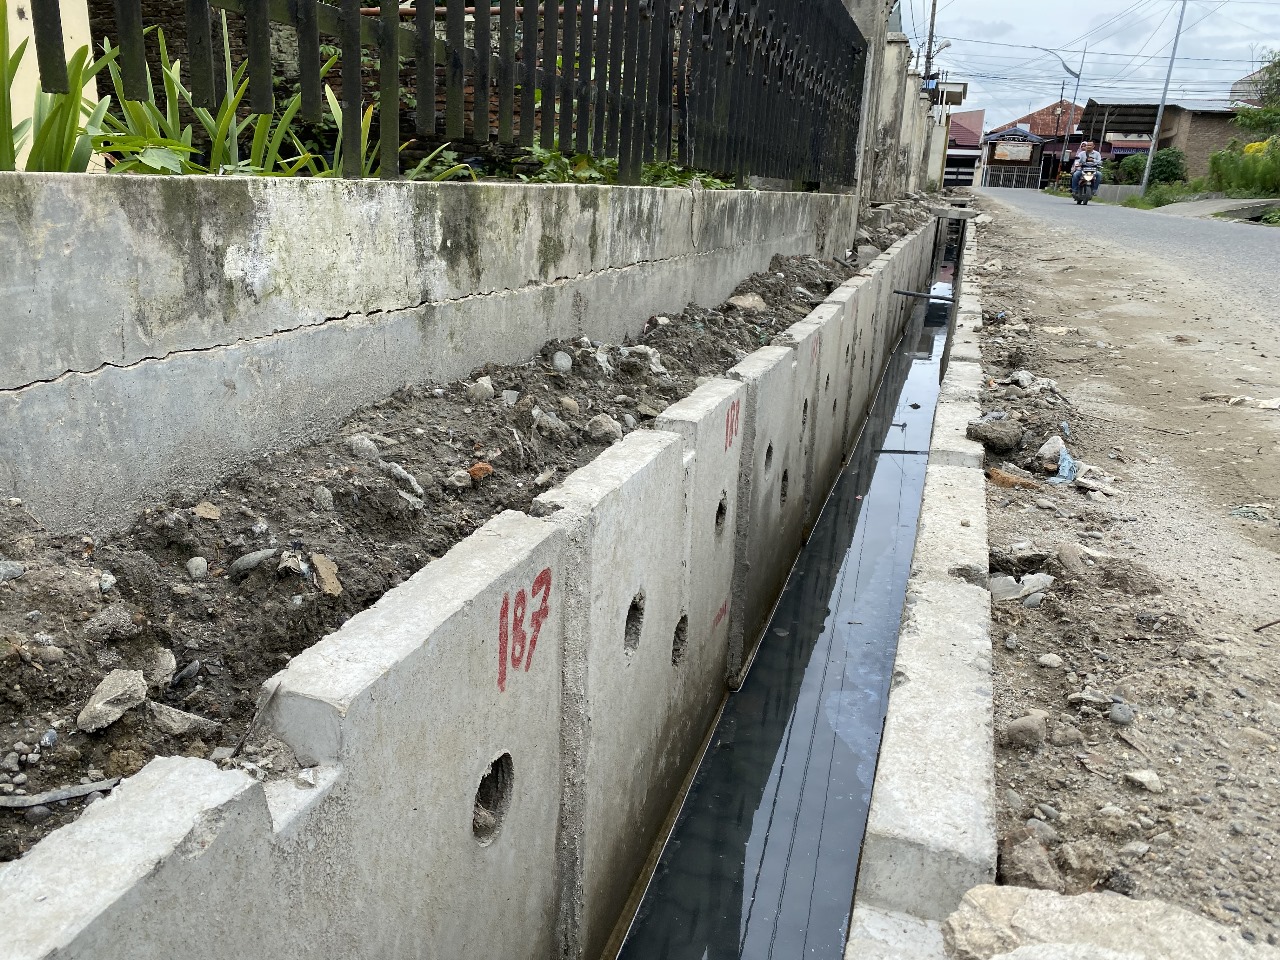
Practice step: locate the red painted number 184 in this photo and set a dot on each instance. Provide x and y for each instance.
(514, 641)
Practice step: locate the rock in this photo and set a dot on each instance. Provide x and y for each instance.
(178, 723)
(113, 623)
(326, 575)
(397, 472)
(37, 814)
(106, 582)
(1065, 735)
(753, 301)
(121, 690)
(481, 391)
(629, 421)
(1043, 832)
(999, 436)
(478, 471)
(1004, 588)
(867, 253)
(1047, 812)
(1034, 600)
(364, 448)
(604, 427)
(1146, 779)
(1014, 800)
(1121, 714)
(207, 511)
(1072, 559)
(1044, 503)
(1007, 921)
(569, 406)
(1036, 583)
(197, 568)
(49, 653)
(1049, 452)
(1134, 850)
(1050, 661)
(49, 739)
(459, 480)
(1024, 862)
(1090, 696)
(1025, 733)
(163, 666)
(561, 362)
(246, 564)
(10, 763)
(322, 497)
(549, 425)
(510, 397)
(1011, 642)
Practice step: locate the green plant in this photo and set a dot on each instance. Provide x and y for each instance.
(662, 173)
(1132, 167)
(1271, 218)
(439, 165)
(1265, 118)
(555, 167)
(1168, 166)
(1255, 172)
(11, 136)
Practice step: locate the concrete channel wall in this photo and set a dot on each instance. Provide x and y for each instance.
(159, 332)
(492, 749)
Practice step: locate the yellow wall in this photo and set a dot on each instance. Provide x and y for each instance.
(75, 33)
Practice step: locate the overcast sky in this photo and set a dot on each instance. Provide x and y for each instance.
(1129, 44)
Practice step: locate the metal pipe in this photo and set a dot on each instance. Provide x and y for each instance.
(1155, 136)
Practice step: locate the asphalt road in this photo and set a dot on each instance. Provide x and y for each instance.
(1244, 258)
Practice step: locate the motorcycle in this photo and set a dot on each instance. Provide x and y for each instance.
(1088, 185)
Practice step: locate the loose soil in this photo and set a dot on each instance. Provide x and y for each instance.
(438, 461)
(1158, 624)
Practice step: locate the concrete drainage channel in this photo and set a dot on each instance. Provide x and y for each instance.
(763, 856)
(490, 752)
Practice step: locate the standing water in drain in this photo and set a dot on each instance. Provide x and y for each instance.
(763, 857)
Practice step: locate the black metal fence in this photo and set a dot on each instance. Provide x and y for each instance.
(731, 86)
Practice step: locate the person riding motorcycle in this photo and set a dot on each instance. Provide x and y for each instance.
(1088, 158)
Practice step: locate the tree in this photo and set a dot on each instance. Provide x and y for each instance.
(1264, 119)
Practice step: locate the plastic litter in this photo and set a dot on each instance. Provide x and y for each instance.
(1068, 468)
(1066, 429)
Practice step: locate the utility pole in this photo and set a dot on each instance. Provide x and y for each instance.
(1075, 97)
(928, 56)
(1164, 97)
(1057, 129)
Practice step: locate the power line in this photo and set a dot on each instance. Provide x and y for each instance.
(1099, 53)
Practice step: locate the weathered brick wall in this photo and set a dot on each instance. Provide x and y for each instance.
(1207, 134)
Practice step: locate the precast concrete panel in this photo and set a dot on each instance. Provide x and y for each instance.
(709, 421)
(625, 513)
(441, 705)
(771, 512)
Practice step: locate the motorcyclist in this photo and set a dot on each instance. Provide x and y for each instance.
(1087, 159)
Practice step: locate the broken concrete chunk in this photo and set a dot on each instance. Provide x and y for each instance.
(326, 575)
(207, 511)
(178, 723)
(604, 427)
(1000, 436)
(1146, 779)
(121, 690)
(481, 390)
(397, 472)
(163, 666)
(364, 448)
(113, 623)
(753, 301)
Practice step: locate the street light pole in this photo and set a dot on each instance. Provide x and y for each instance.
(928, 57)
(1164, 97)
(1071, 120)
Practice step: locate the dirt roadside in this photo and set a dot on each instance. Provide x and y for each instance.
(156, 641)
(1137, 705)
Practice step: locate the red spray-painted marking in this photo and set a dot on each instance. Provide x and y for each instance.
(732, 423)
(514, 643)
(721, 614)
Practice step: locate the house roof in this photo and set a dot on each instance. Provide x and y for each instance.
(1013, 133)
(1049, 121)
(966, 128)
(1128, 116)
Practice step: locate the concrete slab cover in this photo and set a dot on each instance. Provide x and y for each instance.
(625, 513)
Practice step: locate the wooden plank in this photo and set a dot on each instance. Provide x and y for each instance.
(389, 93)
(307, 26)
(352, 149)
(46, 21)
(425, 69)
(133, 58)
(550, 51)
(200, 54)
(568, 73)
(586, 69)
(481, 85)
(455, 70)
(529, 76)
(506, 71)
(257, 23)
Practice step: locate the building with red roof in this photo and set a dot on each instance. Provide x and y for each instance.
(964, 147)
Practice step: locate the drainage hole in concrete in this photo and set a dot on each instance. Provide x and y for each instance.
(782, 496)
(635, 620)
(492, 800)
(722, 512)
(679, 640)
(768, 458)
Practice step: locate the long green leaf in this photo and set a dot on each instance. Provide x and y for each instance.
(9, 137)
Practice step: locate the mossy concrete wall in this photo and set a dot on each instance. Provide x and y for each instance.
(159, 332)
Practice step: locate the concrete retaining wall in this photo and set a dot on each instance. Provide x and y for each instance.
(931, 833)
(491, 750)
(1118, 192)
(161, 331)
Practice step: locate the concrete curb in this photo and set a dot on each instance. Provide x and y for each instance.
(931, 833)
(494, 745)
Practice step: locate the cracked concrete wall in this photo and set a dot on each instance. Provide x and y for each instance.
(160, 332)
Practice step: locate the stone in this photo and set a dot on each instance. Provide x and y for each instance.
(1146, 779)
(1090, 696)
(1024, 862)
(481, 391)
(1043, 832)
(994, 921)
(120, 690)
(364, 448)
(113, 623)
(999, 436)
(37, 814)
(1044, 503)
(1134, 850)
(1050, 661)
(1014, 800)
(867, 253)
(207, 511)
(1049, 452)
(510, 397)
(163, 666)
(569, 406)
(246, 564)
(1004, 588)
(10, 763)
(1025, 733)
(561, 362)
(753, 301)
(1072, 559)
(1047, 812)
(604, 427)
(178, 723)
(1033, 601)
(327, 574)
(1011, 642)
(459, 480)
(1065, 735)
(478, 471)
(549, 425)
(397, 472)
(107, 582)
(629, 421)
(322, 497)
(197, 568)
(1121, 714)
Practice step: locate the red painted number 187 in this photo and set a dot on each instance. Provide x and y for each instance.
(514, 642)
